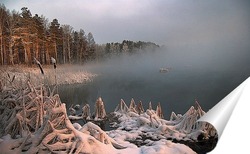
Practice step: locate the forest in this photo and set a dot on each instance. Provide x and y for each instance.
(24, 36)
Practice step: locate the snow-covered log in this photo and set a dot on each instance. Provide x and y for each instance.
(132, 106)
(150, 106)
(122, 107)
(139, 108)
(100, 111)
(86, 111)
(159, 111)
(178, 127)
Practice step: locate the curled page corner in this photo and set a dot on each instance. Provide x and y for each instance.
(235, 138)
(219, 115)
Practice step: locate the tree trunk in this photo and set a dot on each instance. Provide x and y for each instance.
(11, 53)
(64, 55)
(25, 55)
(37, 50)
(43, 53)
(1, 53)
(29, 55)
(55, 50)
(80, 56)
(4, 54)
(69, 56)
(47, 54)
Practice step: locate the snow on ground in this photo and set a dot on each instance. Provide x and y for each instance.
(149, 124)
(35, 121)
(156, 147)
(143, 131)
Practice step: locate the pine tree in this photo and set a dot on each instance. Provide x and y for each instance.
(55, 33)
(76, 46)
(91, 46)
(83, 46)
(28, 33)
(3, 20)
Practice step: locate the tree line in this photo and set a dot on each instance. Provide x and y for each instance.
(24, 36)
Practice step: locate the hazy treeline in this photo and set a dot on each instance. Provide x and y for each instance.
(24, 36)
(129, 47)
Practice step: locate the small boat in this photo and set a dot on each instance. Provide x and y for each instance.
(164, 70)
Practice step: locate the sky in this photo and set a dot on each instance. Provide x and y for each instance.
(161, 21)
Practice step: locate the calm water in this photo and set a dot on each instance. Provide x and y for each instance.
(207, 78)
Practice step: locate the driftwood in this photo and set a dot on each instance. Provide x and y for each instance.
(186, 124)
(22, 111)
(34, 122)
(132, 106)
(139, 108)
(86, 112)
(100, 112)
(159, 111)
(122, 107)
(98, 115)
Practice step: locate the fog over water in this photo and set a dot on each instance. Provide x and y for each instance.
(203, 72)
(206, 46)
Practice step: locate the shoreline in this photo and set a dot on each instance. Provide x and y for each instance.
(63, 74)
(141, 121)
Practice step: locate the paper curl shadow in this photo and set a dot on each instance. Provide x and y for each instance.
(220, 114)
(204, 143)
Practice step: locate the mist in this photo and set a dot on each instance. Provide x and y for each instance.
(206, 45)
(203, 72)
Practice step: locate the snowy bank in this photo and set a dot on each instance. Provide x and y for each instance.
(63, 74)
(137, 127)
(139, 123)
(34, 120)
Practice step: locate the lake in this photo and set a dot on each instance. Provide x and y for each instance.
(207, 77)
